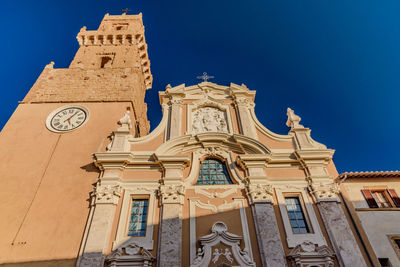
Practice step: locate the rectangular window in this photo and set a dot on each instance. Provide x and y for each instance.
(381, 198)
(296, 215)
(138, 217)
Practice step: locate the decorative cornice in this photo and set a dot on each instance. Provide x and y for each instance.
(312, 157)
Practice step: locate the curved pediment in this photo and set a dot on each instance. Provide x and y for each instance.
(236, 143)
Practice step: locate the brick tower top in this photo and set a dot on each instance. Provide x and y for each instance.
(111, 65)
(118, 43)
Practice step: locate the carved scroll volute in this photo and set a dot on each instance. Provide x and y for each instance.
(324, 191)
(260, 193)
(172, 194)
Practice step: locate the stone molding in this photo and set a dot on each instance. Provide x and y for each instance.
(328, 191)
(219, 234)
(309, 254)
(172, 194)
(107, 194)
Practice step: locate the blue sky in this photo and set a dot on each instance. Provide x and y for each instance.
(336, 63)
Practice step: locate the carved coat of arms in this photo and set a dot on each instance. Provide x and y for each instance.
(209, 119)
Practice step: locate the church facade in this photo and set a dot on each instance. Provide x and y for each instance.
(86, 184)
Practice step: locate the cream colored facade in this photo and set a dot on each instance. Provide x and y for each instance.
(70, 185)
(378, 226)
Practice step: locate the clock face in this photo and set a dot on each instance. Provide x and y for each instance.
(67, 119)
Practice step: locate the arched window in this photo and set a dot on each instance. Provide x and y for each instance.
(213, 171)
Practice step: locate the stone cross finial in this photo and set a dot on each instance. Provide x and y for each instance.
(293, 120)
(205, 77)
(126, 10)
(125, 121)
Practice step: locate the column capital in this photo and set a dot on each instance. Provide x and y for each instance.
(259, 193)
(324, 191)
(172, 194)
(107, 194)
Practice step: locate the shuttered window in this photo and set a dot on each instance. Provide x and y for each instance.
(381, 198)
(213, 171)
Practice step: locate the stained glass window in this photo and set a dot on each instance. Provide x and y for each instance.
(213, 171)
(296, 215)
(138, 218)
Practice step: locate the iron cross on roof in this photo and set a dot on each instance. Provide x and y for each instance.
(126, 10)
(205, 77)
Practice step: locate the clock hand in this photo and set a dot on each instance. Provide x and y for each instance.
(71, 117)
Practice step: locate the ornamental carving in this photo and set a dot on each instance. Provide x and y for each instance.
(309, 254)
(324, 191)
(219, 234)
(209, 119)
(260, 193)
(125, 122)
(107, 194)
(293, 120)
(172, 194)
(130, 255)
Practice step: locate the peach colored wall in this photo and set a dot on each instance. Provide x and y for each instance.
(150, 175)
(273, 144)
(285, 173)
(151, 145)
(46, 179)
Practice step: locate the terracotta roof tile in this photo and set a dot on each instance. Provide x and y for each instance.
(375, 174)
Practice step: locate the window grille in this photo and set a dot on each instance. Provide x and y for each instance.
(213, 171)
(138, 218)
(296, 215)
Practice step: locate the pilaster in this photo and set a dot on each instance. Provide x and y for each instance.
(175, 120)
(104, 201)
(336, 223)
(170, 247)
(171, 194)
(260, 194)
(245, 120)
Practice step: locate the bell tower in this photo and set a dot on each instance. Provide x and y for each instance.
(111, 65)
(47, 171)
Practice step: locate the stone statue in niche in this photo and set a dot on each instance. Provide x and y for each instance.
(209, 119)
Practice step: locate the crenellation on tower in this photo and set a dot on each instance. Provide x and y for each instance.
(119, 42)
